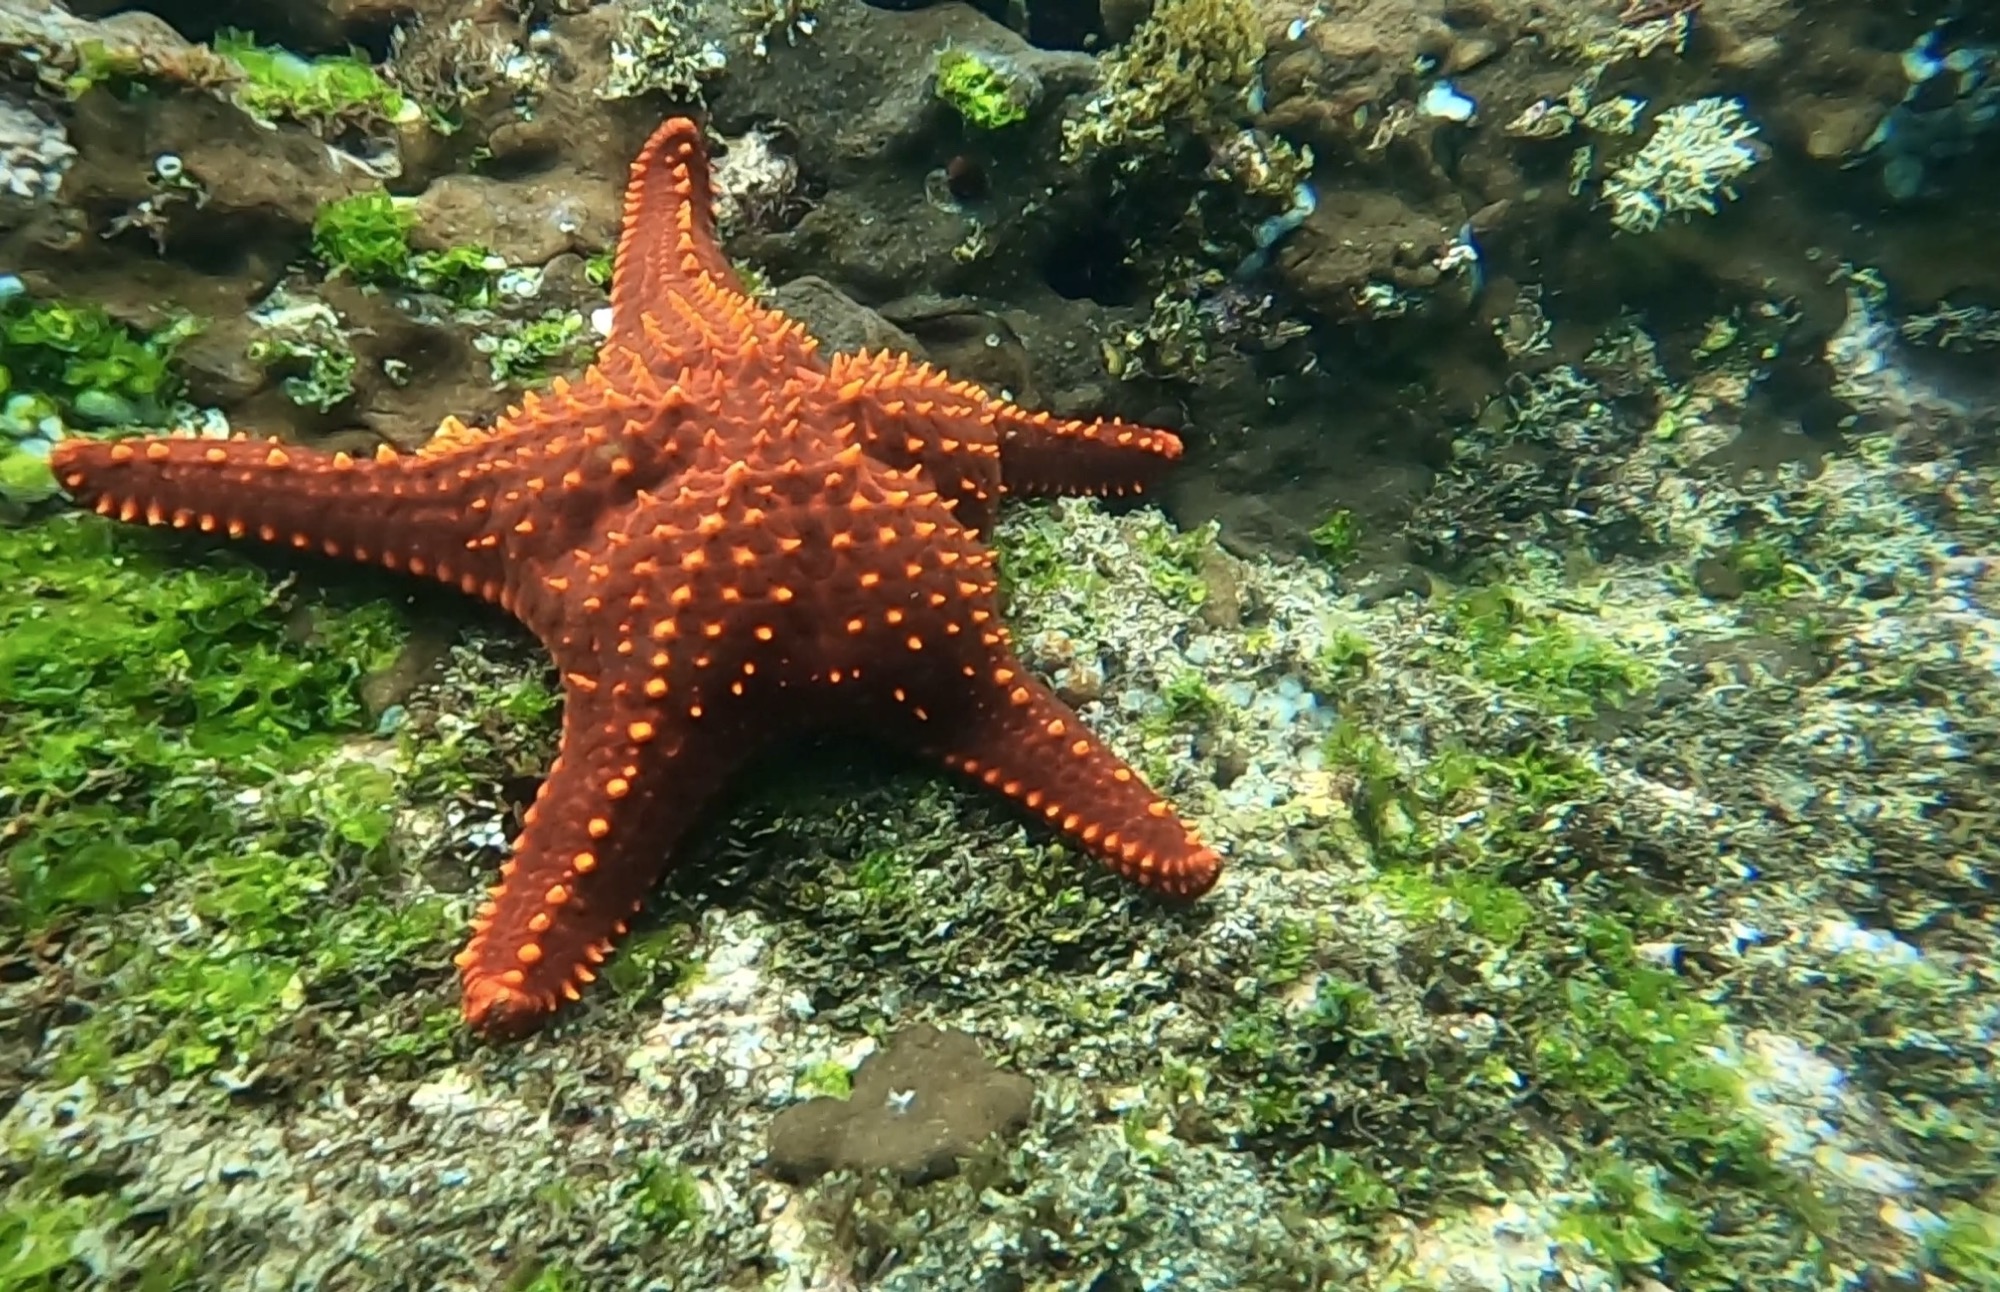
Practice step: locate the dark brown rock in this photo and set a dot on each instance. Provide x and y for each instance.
(919, 1105)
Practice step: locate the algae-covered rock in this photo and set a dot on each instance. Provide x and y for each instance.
(919, 1105)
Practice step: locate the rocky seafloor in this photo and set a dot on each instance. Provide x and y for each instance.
(1577, 621)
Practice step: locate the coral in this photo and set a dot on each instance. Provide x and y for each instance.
(34, 151)
(1689, 164)
(660, 49)
(1188, 67)
(918, 1106)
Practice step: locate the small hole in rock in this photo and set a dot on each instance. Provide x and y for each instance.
(1090, 265)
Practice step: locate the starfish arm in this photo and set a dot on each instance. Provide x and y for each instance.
(911, 414)
(627, 783)
(674, 294)
(405, 513)
(1046, 456)
(668, 236)
(1025, 742)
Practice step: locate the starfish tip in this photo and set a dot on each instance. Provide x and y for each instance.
(494, 1009)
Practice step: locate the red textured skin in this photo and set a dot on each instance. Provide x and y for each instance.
(721, 538)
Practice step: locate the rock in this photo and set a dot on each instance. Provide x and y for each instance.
(842, 325)
(529, 223)
(919, 1105)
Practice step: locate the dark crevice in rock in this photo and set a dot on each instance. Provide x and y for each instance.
(307, 28)
(1091, 264)
(1054, 24)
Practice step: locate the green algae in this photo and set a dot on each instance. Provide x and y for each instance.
(139, 695)
(367, 236)
(1540, 655)
(171, 731)
(68, 351)
(1337, 538)
(980, 89)
(325, 92)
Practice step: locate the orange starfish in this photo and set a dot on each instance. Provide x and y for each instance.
(722, 538)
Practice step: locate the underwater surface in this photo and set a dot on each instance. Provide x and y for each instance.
(804, 644)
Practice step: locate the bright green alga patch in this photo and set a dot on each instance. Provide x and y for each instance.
(1337, 537)
(1541, 656)
(338, 89)
(191, 793)
(74, 353)
(64, 365)
(140, 693)
(367, 235)
(979, 89)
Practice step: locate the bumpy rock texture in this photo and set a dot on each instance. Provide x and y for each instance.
(1589, 678)
(918, 1107)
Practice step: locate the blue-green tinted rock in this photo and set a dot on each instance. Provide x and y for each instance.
(105, 408)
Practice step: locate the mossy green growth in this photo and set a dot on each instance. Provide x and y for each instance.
(1540, 656)
(664, 1196)
(1188, 698)
(1033, 563)
(1484, 906)
(317, 374)
(527, 352)
(652, 963)
(1763, 566)
(303, 909)
(44, 1223)
(829, 1077)
(142, 694)
(328, 92)
(71, 352)
(168, 723)
(463, 275)
(1337, 538)
(1343, 660)
(552, 1278)
(980, 90)
(1968, 1246)
(62, 365)
(1176, 560)
(366, 235)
